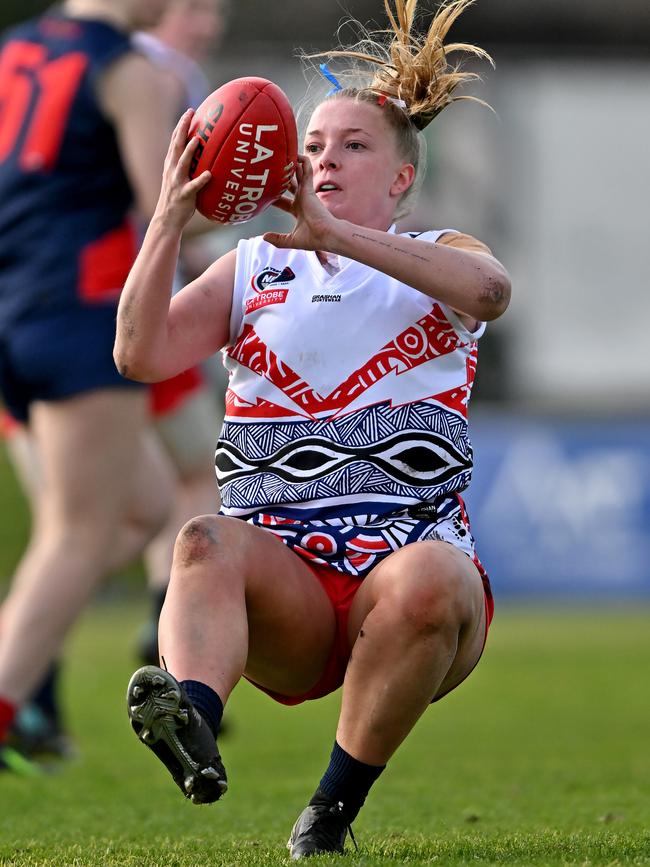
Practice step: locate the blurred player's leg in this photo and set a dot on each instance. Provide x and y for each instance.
(91, 450)
(187, 420)
(22, 454)
(39, 728)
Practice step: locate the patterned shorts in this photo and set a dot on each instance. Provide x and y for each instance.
(341, 583)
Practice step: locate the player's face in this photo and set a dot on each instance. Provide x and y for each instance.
(358, 173)
(194, 27)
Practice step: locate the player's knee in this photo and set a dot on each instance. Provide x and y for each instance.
(427, 606)
(427, 594)
(198, 541)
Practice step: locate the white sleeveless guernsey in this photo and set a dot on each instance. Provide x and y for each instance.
(346, 414)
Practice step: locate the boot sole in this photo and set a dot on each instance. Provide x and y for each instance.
(158, 714)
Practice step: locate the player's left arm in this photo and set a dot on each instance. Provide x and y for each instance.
(460, 272)
(461, 241)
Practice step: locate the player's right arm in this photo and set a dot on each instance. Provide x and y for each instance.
(158, 337)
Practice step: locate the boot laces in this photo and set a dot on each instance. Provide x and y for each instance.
(336, 824)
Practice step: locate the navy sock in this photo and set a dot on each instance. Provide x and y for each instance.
(157, 601)
(206, 701)
(45, 697)
(347, 780)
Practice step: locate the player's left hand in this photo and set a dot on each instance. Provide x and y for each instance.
(314, 222)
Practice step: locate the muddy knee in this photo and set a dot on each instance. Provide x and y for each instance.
(197, 541)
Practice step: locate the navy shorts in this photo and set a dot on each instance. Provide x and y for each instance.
(59, 355)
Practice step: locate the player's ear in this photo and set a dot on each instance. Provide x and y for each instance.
(403, 180)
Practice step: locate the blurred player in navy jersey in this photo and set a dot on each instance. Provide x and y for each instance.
(84, 121)
(185, 410)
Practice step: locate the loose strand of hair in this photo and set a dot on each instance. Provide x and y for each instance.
(414, 67)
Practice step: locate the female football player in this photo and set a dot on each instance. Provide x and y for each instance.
(342, 554)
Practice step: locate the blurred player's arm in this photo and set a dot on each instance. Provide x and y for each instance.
(142, 103)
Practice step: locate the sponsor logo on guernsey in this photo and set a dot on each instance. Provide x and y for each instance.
(316, 298)
(266, 286)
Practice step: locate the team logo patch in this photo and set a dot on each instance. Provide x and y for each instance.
(266, 286)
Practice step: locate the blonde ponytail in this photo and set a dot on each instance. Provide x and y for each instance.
(414, 68)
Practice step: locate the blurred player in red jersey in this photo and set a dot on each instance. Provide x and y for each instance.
(187, 409)
(84, 120)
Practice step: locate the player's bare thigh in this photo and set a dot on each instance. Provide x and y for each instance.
(89, 443)
(189, 433)
(102, 423)
(291, 624)
(423, 567)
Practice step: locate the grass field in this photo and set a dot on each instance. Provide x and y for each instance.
(541, 758)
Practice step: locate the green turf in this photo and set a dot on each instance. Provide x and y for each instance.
(14, 519)
(542, 757)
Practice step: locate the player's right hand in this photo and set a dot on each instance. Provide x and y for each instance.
(177, 200)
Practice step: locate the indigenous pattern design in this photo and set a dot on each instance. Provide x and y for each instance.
(412, 453)
(355, 545)
(345, 471)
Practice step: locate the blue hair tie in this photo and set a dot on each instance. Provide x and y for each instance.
(331, 78)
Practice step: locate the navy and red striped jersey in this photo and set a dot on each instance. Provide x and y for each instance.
(66, 237)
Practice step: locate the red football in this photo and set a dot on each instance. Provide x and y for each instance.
(248, 140)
